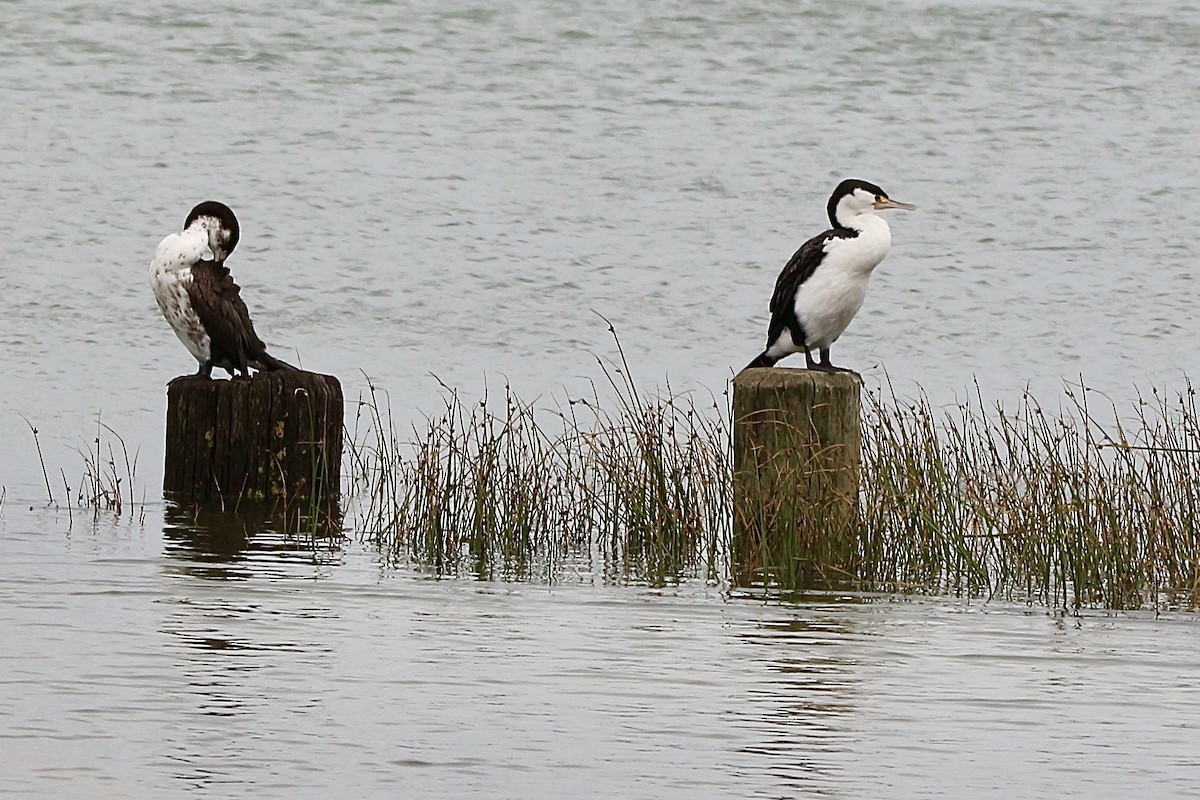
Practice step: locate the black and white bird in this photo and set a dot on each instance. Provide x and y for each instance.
(824, 285)
(199, 298)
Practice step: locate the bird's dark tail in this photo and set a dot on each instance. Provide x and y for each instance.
(763, 360)
(270, 363)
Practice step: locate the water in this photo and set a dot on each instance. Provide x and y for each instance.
(158, 669)
(454, 191)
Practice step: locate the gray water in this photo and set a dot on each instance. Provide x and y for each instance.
(454, 190)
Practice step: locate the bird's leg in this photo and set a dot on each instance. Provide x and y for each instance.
(242, 362)
(823, 365)
(826, 366)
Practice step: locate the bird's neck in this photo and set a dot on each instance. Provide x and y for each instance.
(865, 222)
(870, 245)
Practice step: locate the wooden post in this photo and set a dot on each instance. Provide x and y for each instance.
(275, 437)
(797, 443)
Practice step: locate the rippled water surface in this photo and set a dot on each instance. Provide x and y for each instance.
(454, 189)
(141, 660)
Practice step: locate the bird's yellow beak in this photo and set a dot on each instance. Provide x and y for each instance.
(887, 202)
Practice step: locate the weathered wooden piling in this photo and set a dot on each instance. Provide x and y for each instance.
(276, 437)
(797, 441)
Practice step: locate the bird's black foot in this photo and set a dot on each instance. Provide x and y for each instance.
(824, 365)
(202, 374)
(195, 376)
(818, 366)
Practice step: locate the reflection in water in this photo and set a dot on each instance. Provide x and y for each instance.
(237, 659)
(240, 543)
(802, 714)
(234, 650)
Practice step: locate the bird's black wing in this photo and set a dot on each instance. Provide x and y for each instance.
(799, 269)
(217, 300)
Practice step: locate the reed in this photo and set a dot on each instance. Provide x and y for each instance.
(1085, 505)
(503, 488)
(1079, 506)
(41, 460)
(107, 481)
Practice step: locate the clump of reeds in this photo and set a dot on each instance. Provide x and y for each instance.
(1070, 508)
(107, 481)
(106, 485)
(508, 488)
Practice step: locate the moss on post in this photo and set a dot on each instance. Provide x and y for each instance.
(276, 437)
(797, 449)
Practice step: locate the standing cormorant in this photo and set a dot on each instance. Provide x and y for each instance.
(824, 285)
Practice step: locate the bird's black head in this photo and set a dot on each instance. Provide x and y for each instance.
(229, 232)
(848, 187)
(854, 198)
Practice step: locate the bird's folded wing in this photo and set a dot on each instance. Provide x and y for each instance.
(218, 302)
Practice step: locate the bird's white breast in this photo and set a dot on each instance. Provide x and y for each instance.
(833, 294)
(170, 276)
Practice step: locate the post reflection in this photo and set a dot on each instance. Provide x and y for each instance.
(251, 539)
(244, 626)
(798, 712)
